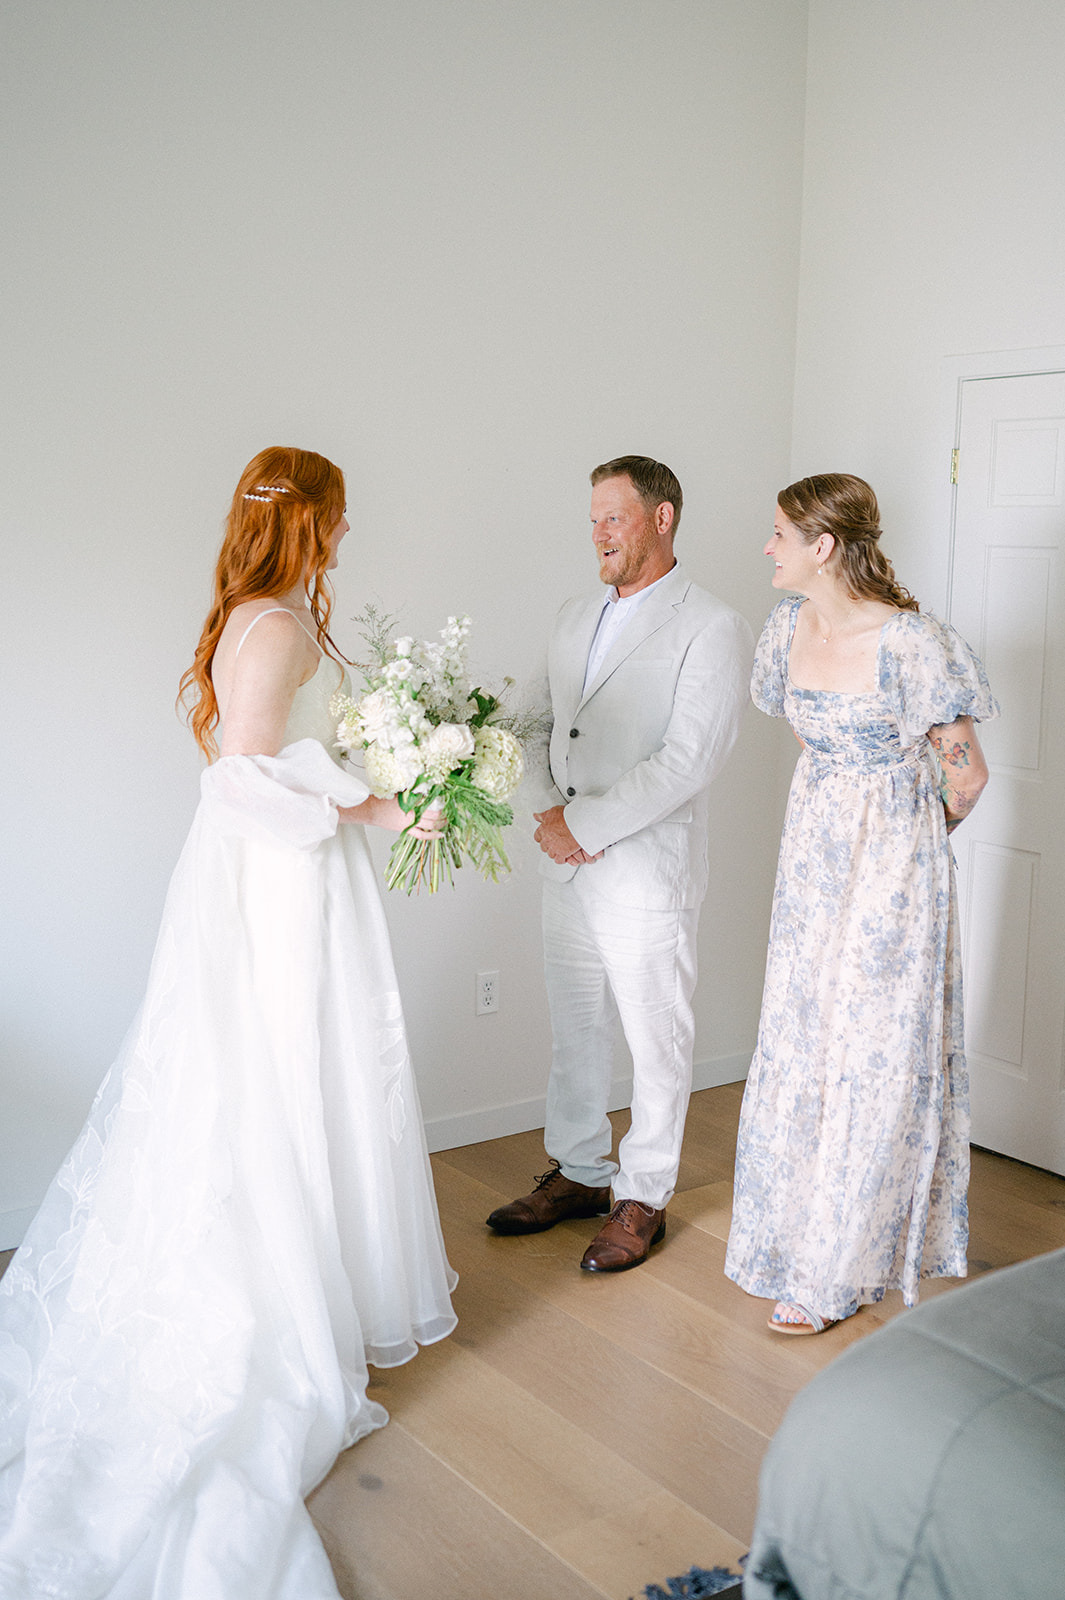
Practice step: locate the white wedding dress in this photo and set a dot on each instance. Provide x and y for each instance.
(246, 1218)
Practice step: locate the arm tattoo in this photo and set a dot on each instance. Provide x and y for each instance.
(956, 755)
(956, 805)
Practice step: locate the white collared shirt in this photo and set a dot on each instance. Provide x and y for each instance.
(617, 611)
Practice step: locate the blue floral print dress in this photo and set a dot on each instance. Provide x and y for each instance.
(853, 1157)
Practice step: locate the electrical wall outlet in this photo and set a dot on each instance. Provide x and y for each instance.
(487, 993)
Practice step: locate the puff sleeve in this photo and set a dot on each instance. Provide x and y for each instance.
(770, 676)
(290, 799)
(930, 676)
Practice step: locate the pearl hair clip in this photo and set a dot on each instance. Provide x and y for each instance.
(271, 488)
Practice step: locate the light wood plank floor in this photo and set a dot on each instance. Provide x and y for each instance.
(579, 1437)
(583, 1436)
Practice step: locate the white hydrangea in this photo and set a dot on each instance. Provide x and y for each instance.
(498, 762)
(390, 772)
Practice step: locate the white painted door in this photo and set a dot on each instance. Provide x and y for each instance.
(1007, 598)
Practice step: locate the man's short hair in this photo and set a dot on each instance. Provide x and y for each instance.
(653, 481)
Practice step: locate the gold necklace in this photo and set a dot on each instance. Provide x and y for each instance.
(826, 637)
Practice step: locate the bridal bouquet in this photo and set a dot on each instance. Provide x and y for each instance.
(432, 739)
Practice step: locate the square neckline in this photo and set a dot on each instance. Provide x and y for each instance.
(843, 694)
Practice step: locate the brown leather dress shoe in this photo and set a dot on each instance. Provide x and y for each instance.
(553, 1200)
(625, 1238)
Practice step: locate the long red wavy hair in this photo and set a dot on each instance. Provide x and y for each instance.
(276, 538)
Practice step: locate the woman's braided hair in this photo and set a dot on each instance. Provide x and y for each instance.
(845, 507)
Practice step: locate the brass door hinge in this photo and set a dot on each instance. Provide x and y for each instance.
(954, 454)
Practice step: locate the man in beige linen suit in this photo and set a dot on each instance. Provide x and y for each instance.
(647, 687)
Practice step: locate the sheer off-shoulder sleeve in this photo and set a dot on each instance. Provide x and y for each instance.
(931, 676)
(289, 799)
(770, 676)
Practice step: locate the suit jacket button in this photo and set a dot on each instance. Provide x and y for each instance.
(574, 732)
(571, 792)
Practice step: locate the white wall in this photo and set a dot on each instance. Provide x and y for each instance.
(467, 250)
(933, 225)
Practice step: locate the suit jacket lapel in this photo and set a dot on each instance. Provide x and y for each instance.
(656, 610)
(574, 660)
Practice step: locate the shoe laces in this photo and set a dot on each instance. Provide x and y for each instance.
(546, 1178)
(623, 1211)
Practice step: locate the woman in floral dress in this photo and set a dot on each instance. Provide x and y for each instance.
(853, 1159)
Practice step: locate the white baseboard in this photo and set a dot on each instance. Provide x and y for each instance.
(721, 1069)
(474, 1127)
(522, 1116)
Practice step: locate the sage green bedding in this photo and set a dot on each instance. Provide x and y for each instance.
(928, 1461)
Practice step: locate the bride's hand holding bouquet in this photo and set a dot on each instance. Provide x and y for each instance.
(385, 811)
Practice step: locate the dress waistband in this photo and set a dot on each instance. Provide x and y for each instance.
(859, 760)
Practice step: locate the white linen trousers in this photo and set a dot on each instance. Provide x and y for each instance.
(604, 961)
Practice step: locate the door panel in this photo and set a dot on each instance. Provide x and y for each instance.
(1001, 895)
(1018, 585)
(1008, 600)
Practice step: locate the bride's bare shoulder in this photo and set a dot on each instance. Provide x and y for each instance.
(261, 624)
(262, 636)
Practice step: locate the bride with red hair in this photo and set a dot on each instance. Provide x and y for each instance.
(247, 1217)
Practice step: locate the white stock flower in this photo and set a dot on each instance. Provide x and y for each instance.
(499, 765)
(444, 685)
(456, 632)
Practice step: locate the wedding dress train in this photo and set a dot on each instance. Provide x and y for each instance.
(246, 1218)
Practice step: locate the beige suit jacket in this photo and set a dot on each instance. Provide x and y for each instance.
(632, 759)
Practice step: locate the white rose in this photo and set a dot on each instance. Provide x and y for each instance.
(401, 737)
(376, 715)
(446, 747)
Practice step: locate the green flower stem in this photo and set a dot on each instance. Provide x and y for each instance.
(473, 823)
